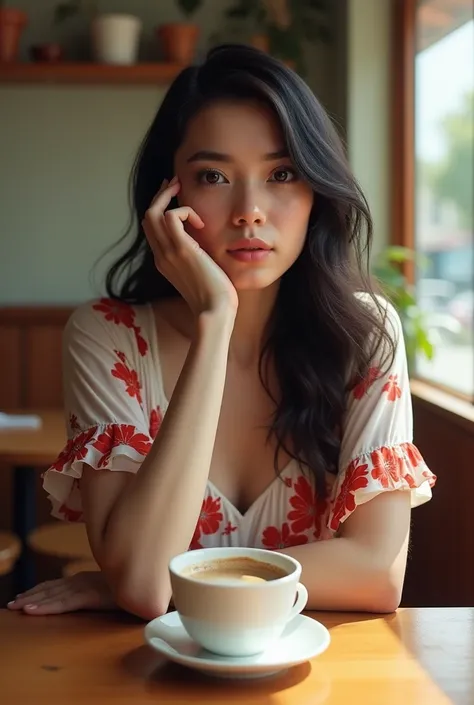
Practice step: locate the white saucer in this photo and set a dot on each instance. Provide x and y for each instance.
(303, 639)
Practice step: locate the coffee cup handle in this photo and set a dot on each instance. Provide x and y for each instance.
(301, 600)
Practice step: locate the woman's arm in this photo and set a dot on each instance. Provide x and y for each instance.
(136, 524)
(363, 569)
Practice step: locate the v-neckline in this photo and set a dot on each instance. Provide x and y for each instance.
(258, 500)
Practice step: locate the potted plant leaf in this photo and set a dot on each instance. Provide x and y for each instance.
(179, 39)
(388, 272)
(12, 24)
(115, 37)
(280, 26)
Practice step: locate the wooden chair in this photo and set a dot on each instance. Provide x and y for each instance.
(79, 566)
(61, 540)
(10, 549)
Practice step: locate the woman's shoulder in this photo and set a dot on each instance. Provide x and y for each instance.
(383, 311)
(108, 319)
(107, 310)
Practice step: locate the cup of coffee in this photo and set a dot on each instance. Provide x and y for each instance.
(236, 601)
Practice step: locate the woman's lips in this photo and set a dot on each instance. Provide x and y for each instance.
(250, 255)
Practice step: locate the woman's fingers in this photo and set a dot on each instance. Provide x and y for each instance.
(40, 592)
(163, 198)
(64, 602)
(176, 217)
(164, 185)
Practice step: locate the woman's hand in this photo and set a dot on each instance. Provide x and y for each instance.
(82, 591)
(200, 281)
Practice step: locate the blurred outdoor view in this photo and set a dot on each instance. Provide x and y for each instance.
(444, 204)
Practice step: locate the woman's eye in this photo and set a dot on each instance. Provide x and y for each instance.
(283, 176)
(210, 177)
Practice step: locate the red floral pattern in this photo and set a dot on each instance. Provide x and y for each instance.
(196, 539)
(156, 419)
(117, 435)
(121, 313)
(70, 514)
(73, 424)
(229, 529)
(304, 504)
(391, 387)
(76, 449)
(116, 312)
(387, 466)
(364, 385)
(414, 456)
(355, 479)
(410, 481)
(275, 539)
(132, 384)
(209, 521)
(210, 516)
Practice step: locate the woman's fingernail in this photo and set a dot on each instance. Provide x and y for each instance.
(174, 180)
(11, 603)
(31, 607)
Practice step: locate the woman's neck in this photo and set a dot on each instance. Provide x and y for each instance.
(255, 308)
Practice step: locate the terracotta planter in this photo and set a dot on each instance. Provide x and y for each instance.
(12, 23)
(260, 41)
(178, 42)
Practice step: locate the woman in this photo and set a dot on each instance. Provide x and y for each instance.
(242, 384)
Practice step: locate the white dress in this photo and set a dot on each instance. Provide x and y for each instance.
(114, 402)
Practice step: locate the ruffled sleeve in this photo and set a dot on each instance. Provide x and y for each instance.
(377, 451)
(111, 423)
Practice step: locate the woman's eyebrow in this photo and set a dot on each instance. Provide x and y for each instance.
(206, 155)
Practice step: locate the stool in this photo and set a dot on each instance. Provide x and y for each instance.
(10, 549)
(61, 540)
(78, 567)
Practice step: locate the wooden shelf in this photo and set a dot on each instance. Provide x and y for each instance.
(151, 74)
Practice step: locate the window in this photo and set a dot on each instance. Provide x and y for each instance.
(443, 199)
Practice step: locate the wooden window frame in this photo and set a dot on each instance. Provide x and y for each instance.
(402, 153)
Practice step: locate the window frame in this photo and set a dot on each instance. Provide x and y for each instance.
(402, 152)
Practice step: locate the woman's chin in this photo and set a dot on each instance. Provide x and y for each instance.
(253, 281)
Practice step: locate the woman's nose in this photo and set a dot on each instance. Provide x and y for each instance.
(249, 211)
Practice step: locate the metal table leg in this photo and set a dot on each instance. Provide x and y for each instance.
(24, 521)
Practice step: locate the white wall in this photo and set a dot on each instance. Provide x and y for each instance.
(368, 106)
(66, 155)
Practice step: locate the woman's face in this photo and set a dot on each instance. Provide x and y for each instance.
(236, 174)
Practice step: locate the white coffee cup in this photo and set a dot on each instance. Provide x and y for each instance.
(236, 618)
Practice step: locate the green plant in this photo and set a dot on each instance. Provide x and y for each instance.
(285, 24)
(189, 7)
(65, 10)
(388, 271)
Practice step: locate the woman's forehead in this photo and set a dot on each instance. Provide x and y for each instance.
(230, 126)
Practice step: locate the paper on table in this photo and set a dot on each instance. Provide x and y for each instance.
(19, 421)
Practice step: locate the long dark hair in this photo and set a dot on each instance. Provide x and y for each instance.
(319, 330)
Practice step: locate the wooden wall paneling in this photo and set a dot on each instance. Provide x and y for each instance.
(10, 367)
(44, 367)
(441, 565)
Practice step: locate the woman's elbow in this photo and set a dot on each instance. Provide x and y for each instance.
(141, 602)
(386, 596)
(133, 594)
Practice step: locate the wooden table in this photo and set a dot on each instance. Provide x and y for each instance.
(25, 451)
(414, 657)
